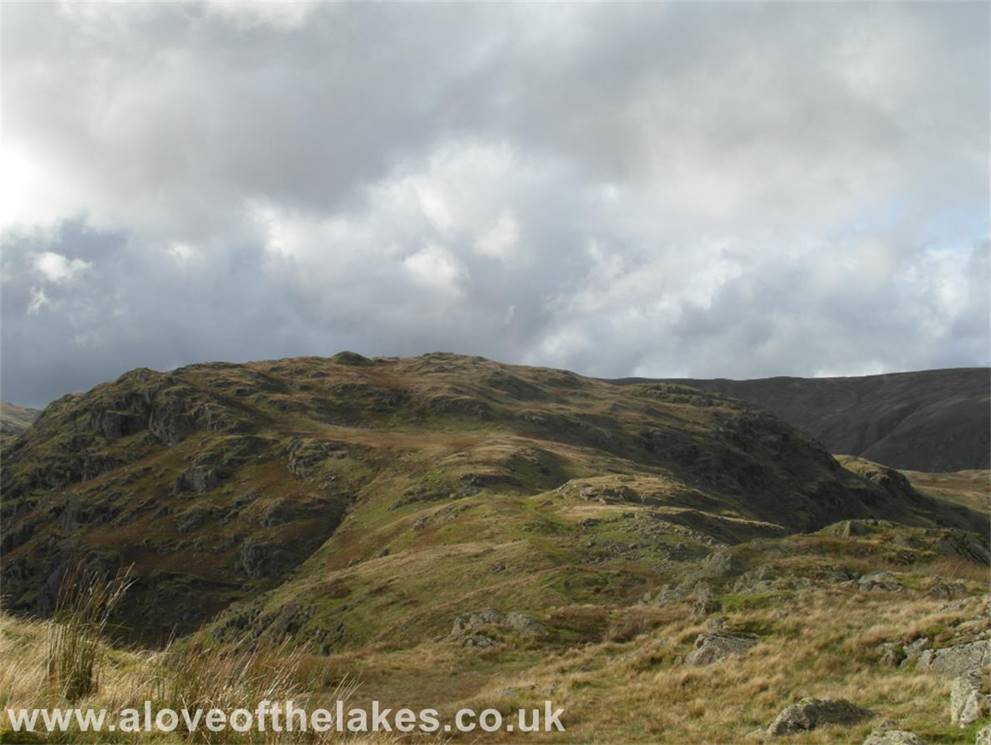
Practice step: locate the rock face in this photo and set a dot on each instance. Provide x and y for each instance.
(893, 737)
(198, 479)
(896, 654)
(967, 703)
(958, 660)
(467, 627)
(879, 581)
(704, 602)
(710, 648)
(810, 713)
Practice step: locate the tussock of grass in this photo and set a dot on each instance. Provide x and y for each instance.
(74, 649)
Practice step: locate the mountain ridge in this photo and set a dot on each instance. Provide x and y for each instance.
(929, 420)
(240, 492)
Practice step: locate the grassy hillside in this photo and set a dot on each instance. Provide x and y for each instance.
(450, 531)
(936, 420)
(376, 499)
(14, 420)
(818, 619)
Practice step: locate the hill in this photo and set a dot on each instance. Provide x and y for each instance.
(329, 479)
(451, 531)
(935, 421)
(14, 420)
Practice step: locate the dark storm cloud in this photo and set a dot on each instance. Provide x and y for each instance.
(683, 189)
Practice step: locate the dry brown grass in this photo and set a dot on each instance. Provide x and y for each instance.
(74, 649)
(630, 686)
(178, 677)
(954, 568)
(824, 646)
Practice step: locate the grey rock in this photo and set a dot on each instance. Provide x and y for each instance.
(810, 713)
(468, 624)
(721, 563)
(854, 528)
(957, 660)
(943, 590)
(892, 654)
(984, 736)
(893, 737)
(896, 654)
(703, 601)
(710, 648)
(117, 424)
(914, 649)
(967, 703)
(478, 641)
(261, 558)
(198, 479)
(879, 581)
(306, 455)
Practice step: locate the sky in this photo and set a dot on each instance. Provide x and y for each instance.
(666, 190)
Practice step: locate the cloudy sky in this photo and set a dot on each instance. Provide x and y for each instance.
(708, 189)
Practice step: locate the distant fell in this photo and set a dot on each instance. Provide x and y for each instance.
(933, 420)
(15, 419)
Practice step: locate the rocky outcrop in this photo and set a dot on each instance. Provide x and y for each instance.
(262, 558)
(893, 737)
(710, 648)
(879, 581)
(467, 627)
(896, 654)
(703, 601)
(811, 713)
(720, 564)
(941, 589)
(958, 660)
(197, 479)
(967, 703)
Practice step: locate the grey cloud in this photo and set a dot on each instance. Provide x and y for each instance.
(677, 189)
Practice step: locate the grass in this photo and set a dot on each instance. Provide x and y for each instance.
(616, 667)
(571, 500)
(74, 648)
(183, 675)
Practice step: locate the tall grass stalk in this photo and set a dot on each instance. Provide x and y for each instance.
(74, 648)
(237, 676)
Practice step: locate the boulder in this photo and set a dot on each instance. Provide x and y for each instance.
(958, 660)
(896, 654)
(893, 737)
(198, 479)
(478, 641)
(879, 581)
(967, 703)
(468, 624)
(984, 736)
(946, 590)
(914, 649)
(811, 713)
(711, 648)
(721, 563)
(704, 602)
